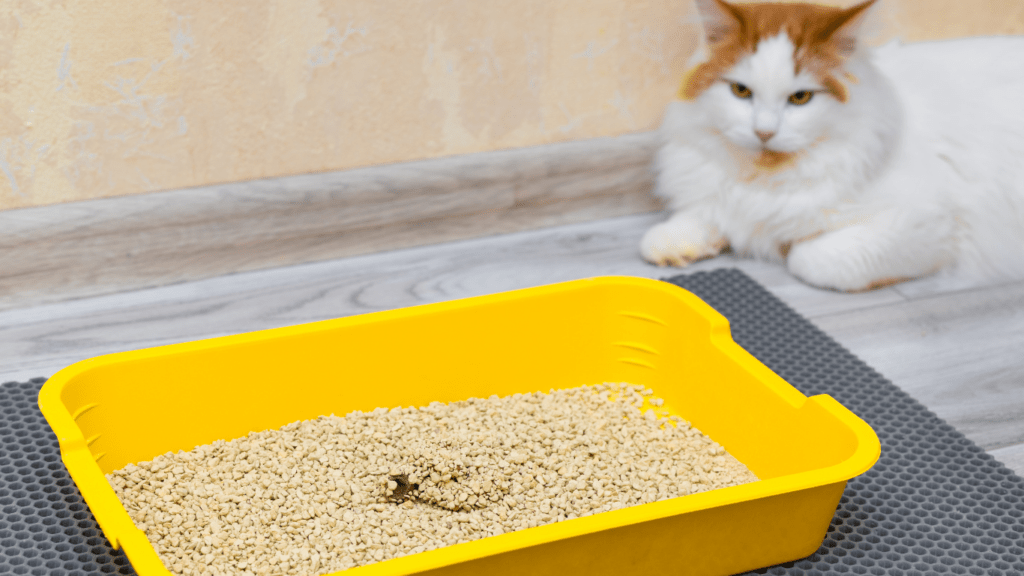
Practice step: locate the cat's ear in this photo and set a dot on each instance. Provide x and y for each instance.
(720, 19)
(843, 30)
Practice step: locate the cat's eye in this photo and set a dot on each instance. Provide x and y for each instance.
(740, 91)
(800, 98)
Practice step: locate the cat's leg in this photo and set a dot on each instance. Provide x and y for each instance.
(682, 239)
(894, 246)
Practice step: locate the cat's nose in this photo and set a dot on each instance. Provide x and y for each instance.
(764, 136)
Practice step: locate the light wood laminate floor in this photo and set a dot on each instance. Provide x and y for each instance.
(957, 349)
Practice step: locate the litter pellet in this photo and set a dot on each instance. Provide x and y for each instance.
(329, 494)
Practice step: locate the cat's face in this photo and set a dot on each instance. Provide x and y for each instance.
(774, 82)
(763, 103)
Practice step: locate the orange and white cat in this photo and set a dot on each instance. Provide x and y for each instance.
(858, 167)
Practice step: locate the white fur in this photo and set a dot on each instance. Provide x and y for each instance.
(920, 170)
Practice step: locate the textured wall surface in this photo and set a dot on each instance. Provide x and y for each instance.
(113, 97)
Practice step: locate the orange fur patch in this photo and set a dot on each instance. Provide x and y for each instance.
(835, 88)
(785, 247)
(883, 283)
(820, 35)
(683, 94)
(771, 159)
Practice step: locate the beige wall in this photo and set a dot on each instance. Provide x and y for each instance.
(111, 97)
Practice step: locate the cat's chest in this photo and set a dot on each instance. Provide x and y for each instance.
(760, 219)
(778, 204)
(762, 210)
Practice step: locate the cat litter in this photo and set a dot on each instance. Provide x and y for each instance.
(325, 495)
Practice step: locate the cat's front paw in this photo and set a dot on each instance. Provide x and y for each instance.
(680, 241)
(835, 264)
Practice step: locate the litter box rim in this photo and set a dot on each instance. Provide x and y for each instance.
(119, 529)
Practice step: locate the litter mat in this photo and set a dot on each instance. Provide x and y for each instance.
(934, 503)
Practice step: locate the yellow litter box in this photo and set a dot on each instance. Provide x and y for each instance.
(129, 407)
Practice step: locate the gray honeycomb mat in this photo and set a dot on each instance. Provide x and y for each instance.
(933, 504)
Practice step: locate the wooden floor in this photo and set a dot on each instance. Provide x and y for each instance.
(958, 350)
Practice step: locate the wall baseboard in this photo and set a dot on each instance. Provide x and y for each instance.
(80, 249)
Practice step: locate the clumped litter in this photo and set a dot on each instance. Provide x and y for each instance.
(329, 494)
